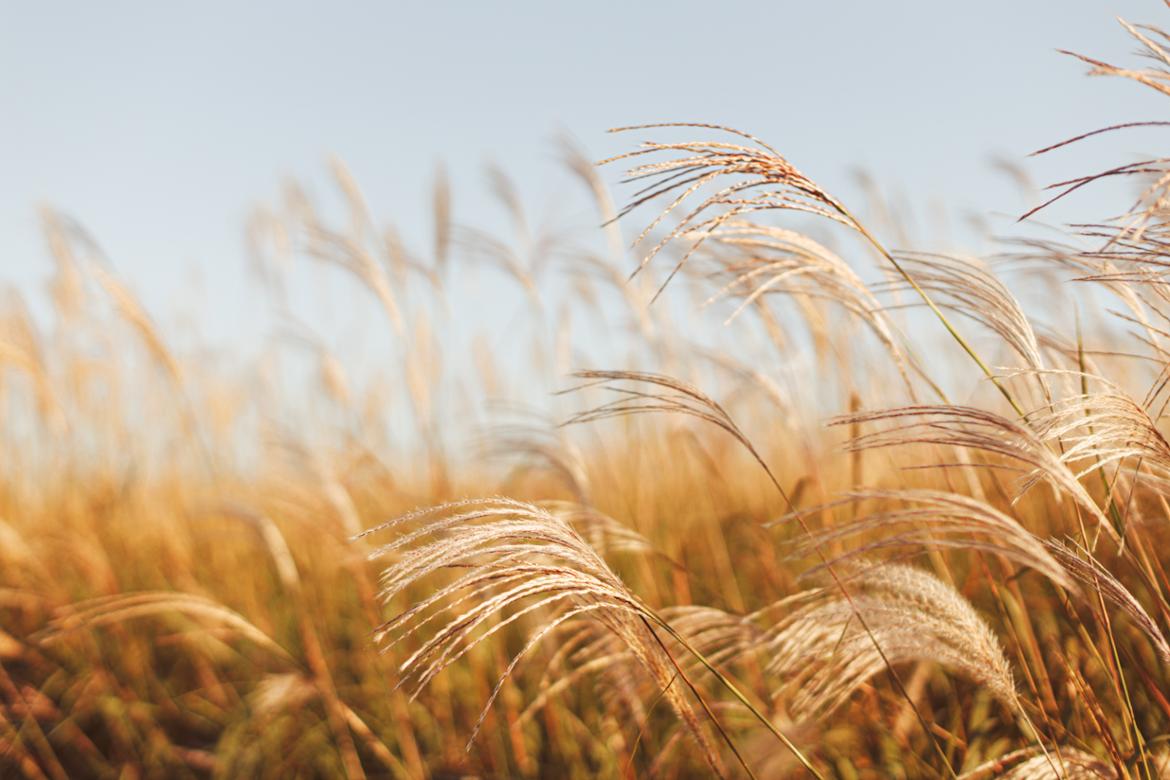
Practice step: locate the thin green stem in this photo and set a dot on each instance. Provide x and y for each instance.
(738, 694)
(962, 342)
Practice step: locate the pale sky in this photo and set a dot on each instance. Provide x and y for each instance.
(159, 125)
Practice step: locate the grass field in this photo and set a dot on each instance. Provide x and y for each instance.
(903, 515)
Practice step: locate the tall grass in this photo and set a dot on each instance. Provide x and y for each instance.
(833, 509)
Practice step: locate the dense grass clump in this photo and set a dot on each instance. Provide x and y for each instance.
(901, 517)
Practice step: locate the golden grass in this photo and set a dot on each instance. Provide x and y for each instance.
(782, 549)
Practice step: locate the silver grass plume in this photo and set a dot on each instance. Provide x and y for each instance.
(821, 654)
(513, 560)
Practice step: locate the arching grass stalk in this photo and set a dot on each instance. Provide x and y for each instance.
(946, 323)
(678, 397)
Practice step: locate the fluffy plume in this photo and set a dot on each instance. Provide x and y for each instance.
(516, 559)
(821, 654)
(762, 180)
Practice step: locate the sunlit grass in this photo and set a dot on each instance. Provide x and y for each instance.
(896, 519)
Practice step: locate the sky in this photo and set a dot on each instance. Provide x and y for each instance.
(159, 126)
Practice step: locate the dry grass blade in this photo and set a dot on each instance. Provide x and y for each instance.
(441, 206)
(667, 395)
(1156, 166)
(603, 533)
(133, 312)
(933, 518)
(978, 429)
(481, 244)
(105, 611)
(1081, 564)
(21, 347)
(555, 453)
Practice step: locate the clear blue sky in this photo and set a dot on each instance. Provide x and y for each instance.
(159, 125)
